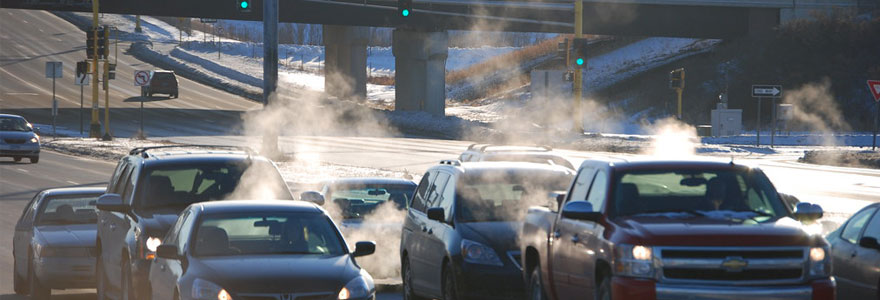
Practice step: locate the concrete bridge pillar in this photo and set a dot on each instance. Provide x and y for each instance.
(345, 61)
(420, 70)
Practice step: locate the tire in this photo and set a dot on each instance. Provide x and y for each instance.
(604, 290)
(126, 291)
(17, 158)
(35, 159)
(536, 285)
(20, 285)
(406, 274)
(450, 291)
(37, 290)
(100, 279)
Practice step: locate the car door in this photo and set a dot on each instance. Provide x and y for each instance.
(846, 268)
(435, 246)
(24, 232)
(164, 273)
(867, 263)
(561, 238)
(581, 249)
(112, 232)
(415, 227)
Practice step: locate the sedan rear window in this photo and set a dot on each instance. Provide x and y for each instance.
(68, 210)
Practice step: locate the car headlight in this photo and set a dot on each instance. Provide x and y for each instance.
(358, 288)
(151, 244)
(634, 261)
(206, 290)
(477, 253)
(820, 262)
(35, 139)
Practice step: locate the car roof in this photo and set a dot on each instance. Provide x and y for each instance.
(198, 156)
(483, 166)
(74, 191)
(370, 180)
(245, 206)
(653, 163)
(487, 148)
(10, 116)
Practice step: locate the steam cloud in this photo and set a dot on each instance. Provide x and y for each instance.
(815, 109)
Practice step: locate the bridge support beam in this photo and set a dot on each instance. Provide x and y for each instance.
(420, 70)
(345, 57)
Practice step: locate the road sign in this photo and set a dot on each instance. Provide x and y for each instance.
(206, 20)
(81, 79)
(874, 86)
(763, 90)
(53, 69)
(141, 78)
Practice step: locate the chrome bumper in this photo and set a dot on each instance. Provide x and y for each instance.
(703, 292)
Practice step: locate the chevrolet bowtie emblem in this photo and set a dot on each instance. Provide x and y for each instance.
(734, 264)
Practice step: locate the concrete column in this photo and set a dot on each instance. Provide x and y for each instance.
(420, 70)
(345, 61)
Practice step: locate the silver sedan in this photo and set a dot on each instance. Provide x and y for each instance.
(54, 242)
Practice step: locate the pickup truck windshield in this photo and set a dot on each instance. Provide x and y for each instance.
(703, 192)
(493, 196)
(266, 233)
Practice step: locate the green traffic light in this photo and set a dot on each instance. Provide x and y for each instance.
(580, 61)
(244, 4)
(405, 12)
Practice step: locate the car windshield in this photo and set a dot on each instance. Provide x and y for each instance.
(742, 194)
(505, 195)
(266, 233)
(13, 124)
(64, 210)
(358, 200)
(178, 186)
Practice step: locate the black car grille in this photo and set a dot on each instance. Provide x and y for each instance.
(667, 253)
(732, 264)
(15, 141)
(703, 274)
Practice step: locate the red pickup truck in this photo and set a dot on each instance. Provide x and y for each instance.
(673, 230)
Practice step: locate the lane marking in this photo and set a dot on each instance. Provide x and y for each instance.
(72, 182)
(23, 94)
(23, 170)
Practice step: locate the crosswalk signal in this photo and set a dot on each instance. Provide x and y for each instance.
(244, 6)
(579, 52)
(404, 8)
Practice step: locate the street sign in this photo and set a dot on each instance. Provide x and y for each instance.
(206, 20)
(81, 79)
(763, 90)
(874, 86)
(141, 78)
(53, 69)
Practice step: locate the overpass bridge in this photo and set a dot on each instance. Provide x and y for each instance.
(420, 40)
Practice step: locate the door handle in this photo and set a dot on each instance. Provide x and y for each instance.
(430, 231)
(575, 239)
(853, 254)
(556, 234)
(112, 227)
(424, 228)
(162, 267)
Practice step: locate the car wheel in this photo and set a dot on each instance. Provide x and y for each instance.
(35, 159)
(38, 291)
(101, 278)
(536, 285)
(408, 293)
(604, 291)
(450, 292)
(16, 159)
(127, 291)
(19, 284)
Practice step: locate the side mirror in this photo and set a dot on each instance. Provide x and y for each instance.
(167, 252)
(870, 243)
(581, 210)
(807, 212)
(560, 198)
(312, 196)
(437, 214)
(364, 248)
(111, 202)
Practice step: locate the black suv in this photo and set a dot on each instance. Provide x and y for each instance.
(161, 82)
(147, 191)
(459, 240)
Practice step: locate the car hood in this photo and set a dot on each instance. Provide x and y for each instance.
(501, 236)
(278, 273)
(74, 235)
(712, 231)
(16, 134)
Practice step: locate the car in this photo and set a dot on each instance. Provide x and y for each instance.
(161, 82)
(54, 242)
(459, 239)
(258, 250)
(360, 196)
(856, 254)
(536, 154)
(669, 229)
(18, 139)
(151, 186)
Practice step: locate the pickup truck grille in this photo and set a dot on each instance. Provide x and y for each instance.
(735, 265)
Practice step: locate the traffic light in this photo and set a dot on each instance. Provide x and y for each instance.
(102, 42)
(82, 68)
(244, 6)
(111, 71)
(562, 50)
(90, 43)
(579, 52)
(676, 79)
(404, 8)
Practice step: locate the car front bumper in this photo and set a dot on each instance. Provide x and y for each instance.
(23, 150)
(66, 272)
(630, 288)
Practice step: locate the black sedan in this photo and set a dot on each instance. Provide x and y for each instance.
(258, 250)
(855, 255)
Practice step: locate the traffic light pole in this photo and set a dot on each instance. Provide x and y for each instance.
(578, 74)
(107, 133)
(95, 126)
(270, 73)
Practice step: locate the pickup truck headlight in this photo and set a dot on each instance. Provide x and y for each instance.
(206, 290)
(150, 245)
(358, 288)
(634, 261)
(477, 253)
(820, 262)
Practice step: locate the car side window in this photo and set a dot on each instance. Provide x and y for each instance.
(581, 185)
(127, 191)
(418, 202)
(854, 227)
(598, 190)
(873, 228)
(114, 180)
(171, 236)
(185, 232)
(447, 198)
(27, 216)
(434, 192)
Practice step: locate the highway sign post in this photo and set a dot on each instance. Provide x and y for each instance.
(141, 78)
(762, 91)
(874, 86)
(82, 79)
(54, 70)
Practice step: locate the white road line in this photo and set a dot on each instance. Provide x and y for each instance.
(23, 170)
(72, 182)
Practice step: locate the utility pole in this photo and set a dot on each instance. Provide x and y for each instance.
(137, 24)
(95, 126)
(107, 134)
(270, 71)
(578, 74)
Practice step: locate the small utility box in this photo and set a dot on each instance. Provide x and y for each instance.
(726, 122)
